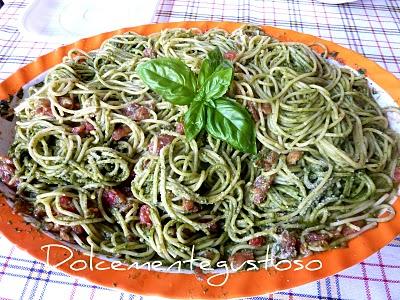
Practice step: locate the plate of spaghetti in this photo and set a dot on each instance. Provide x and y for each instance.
(227, 159)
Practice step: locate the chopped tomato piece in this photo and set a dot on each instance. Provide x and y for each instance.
(230, 55)
(7, 171)
(257, 242)
(396, 175)
(89, 126)
(288, 245)
(78, 129)
(67, 203)
(144, 216)
(112, 197)
(180, 128)
(149, 52)
(238, 259)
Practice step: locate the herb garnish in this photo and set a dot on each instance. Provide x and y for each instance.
(209, 108)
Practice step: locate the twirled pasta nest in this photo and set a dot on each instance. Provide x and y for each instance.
(103, 161)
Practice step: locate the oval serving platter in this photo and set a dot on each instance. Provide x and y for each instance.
(184, 285)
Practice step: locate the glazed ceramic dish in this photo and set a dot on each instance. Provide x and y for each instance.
(187, 284)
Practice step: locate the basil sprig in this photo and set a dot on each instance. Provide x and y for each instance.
(209, 108)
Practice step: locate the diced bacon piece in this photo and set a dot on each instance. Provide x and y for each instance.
(136, 112)
(238, 259)
(207, 254)
(265, 165)
(260, 188)
(162, 141)
(190, 206)
(78, 229)
(44, 108)
(180, 128)
(39, 212)
(230, 55)
(78, 129)
(22, 207)
(120, 132)
(67, 203)
(200, 276)
(313, 236)
(68, 102)
(6, 160)
(396, 175)
(266, 108)
(263, 182)
(258, 196)
(94, 212)
(272, 157)
(126, 189)
(149, 52)
(83, 129)
(152, 105)
(64, 233)
(48, 226)
(304, 250)
(144, 216)
(257, 242)
(267, 159)
(251, 107)
(288, 245)
(7, 171)
(213, 227)
(55, 227)
(293, 157)
(347, 230)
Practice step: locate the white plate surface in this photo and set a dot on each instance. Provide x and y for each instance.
(68, 20)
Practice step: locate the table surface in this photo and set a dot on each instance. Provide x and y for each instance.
(370, 27)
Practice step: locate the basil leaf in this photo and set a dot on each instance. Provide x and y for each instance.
(213, 60)
(170, 78)
(231, 122)
(194, 120)
(217, 83)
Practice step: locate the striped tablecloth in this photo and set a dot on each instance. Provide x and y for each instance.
(370, 27)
